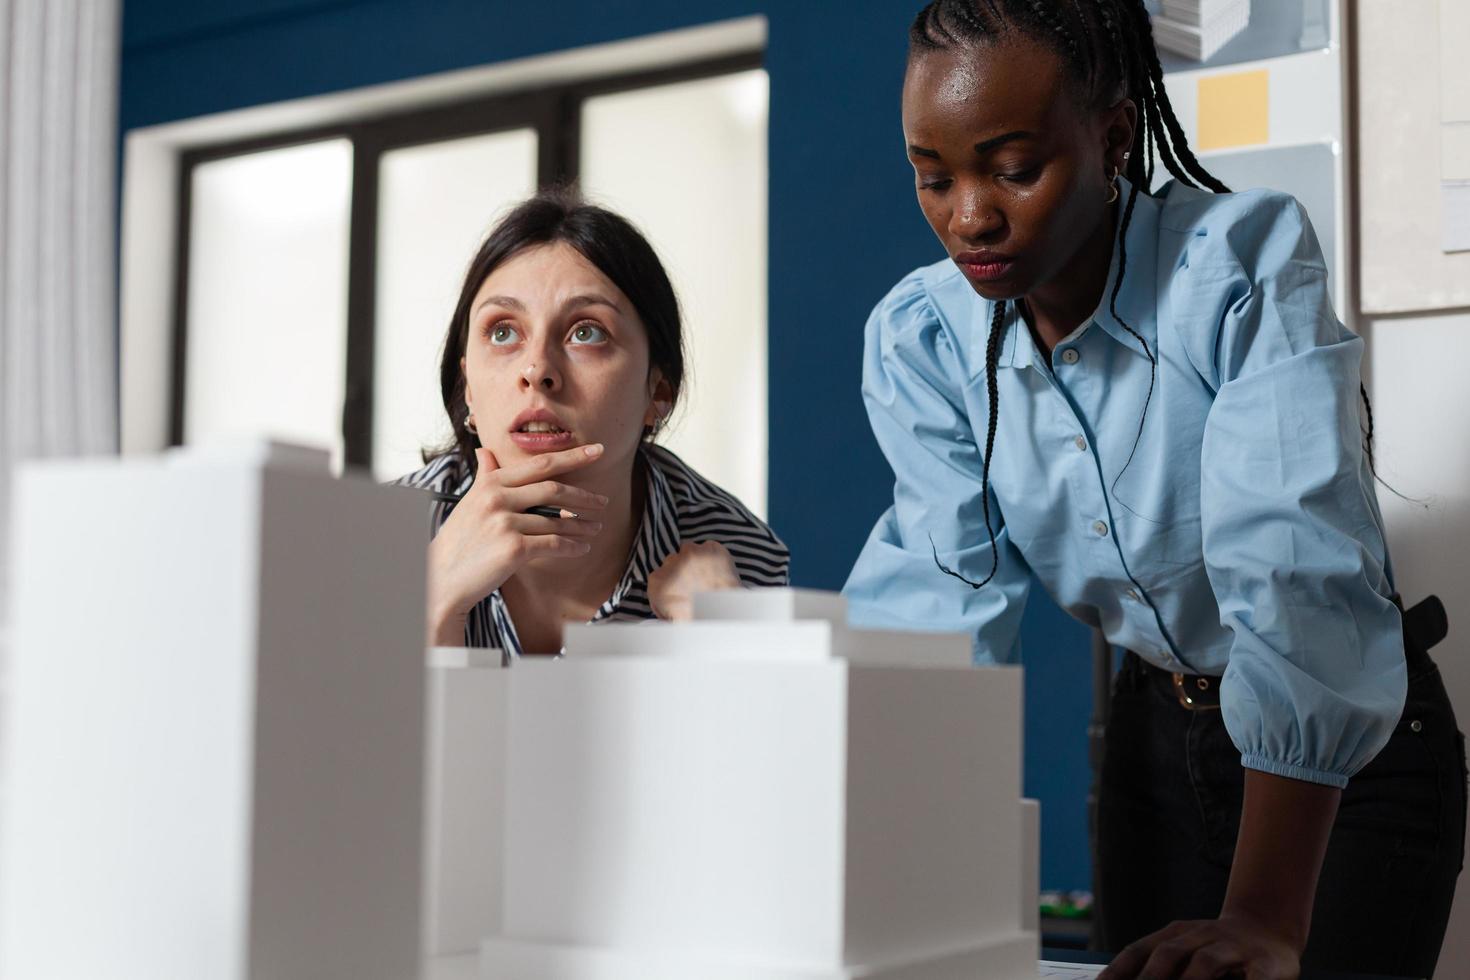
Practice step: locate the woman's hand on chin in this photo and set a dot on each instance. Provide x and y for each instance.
(488, 535)
(698, 566)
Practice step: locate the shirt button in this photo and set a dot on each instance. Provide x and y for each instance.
(1081, 443)
(1100, 528)
(1070, 355)
(1132, 594)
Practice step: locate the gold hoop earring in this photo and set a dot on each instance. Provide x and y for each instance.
(1113, 187)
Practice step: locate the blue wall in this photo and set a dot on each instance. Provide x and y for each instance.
(843, 227)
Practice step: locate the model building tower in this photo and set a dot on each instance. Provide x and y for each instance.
(764, 794)
(1197, 29)
(212, 751)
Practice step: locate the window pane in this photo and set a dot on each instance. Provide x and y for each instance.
(267, 310)
(435, 204)
(687, 164)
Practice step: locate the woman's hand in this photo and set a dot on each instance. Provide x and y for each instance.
(1232, 945)
(1267, 914)
(487, 536)
(696, 567)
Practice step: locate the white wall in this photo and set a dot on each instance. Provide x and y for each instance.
(1421, 405)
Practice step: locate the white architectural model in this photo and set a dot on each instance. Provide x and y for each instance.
(213, 740)
(764, 794)
(214, 764)
(464, 798)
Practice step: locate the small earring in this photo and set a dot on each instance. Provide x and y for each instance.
(469, 422)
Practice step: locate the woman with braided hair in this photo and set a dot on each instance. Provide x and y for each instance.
(1142, 397)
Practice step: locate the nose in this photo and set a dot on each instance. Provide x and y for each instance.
(975, 218)
(540, 372)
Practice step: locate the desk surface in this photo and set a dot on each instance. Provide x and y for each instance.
(1058, 964)
(467, 968)
(1084, 959)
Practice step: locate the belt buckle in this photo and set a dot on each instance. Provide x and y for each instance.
(1186, 698)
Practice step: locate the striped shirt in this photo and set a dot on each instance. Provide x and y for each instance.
(681, 506)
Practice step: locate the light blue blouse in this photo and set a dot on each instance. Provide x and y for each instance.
(1244, 539)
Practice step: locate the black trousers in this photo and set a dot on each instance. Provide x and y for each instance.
(1169, 812)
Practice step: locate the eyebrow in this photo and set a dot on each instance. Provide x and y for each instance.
(573, 302)
(509, 302)
(985, 146)
(590, 299)
(982, 148)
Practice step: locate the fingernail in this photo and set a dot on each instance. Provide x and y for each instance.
(595, 449)
(602, 500)
(595, 525)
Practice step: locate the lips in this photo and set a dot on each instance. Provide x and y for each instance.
(985, 265)
(540, 430)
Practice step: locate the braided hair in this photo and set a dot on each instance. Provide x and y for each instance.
(1107, 50)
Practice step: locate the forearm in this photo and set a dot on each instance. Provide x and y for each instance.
(446, 628)
(1284, 828)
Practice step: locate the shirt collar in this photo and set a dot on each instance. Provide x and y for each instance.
(658, 533)
(1136, 300)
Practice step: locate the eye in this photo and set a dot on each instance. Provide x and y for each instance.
(1019, 176)
(587, 332)
(936, 184)
(502, 335)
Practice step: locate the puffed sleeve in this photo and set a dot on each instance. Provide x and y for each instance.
(1293, 541)
(912, 379)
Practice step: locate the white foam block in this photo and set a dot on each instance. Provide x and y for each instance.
(464, 790)
(1031, 865)
(216, 771)
(817, 815)
(766, 640)
(781, 605)
(1002, 958)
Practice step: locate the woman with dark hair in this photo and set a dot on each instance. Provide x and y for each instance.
(1143, 398)
(563, 360)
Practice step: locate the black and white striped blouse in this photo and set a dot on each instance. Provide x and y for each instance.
(681, 506)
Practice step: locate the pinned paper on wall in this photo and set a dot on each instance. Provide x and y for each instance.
(1234, 110)
(1454, 130)
(1456, 197)
(1410, 82)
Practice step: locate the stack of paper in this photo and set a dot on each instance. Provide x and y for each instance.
(1198, 28)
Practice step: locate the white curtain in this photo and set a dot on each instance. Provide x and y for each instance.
(58, 310)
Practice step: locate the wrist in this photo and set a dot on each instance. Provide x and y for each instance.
(1290, 924)
(446, 625)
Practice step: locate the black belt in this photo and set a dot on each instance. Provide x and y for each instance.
(1425, 624)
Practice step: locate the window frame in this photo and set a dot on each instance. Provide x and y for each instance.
(554, 112)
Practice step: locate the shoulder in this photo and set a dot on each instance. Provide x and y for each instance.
(444, 474)
(1248, 283)
(704, 511)
(1252, 233)
(931, 295)
(931, 319)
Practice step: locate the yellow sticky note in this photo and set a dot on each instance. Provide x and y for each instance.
(1234, 110)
